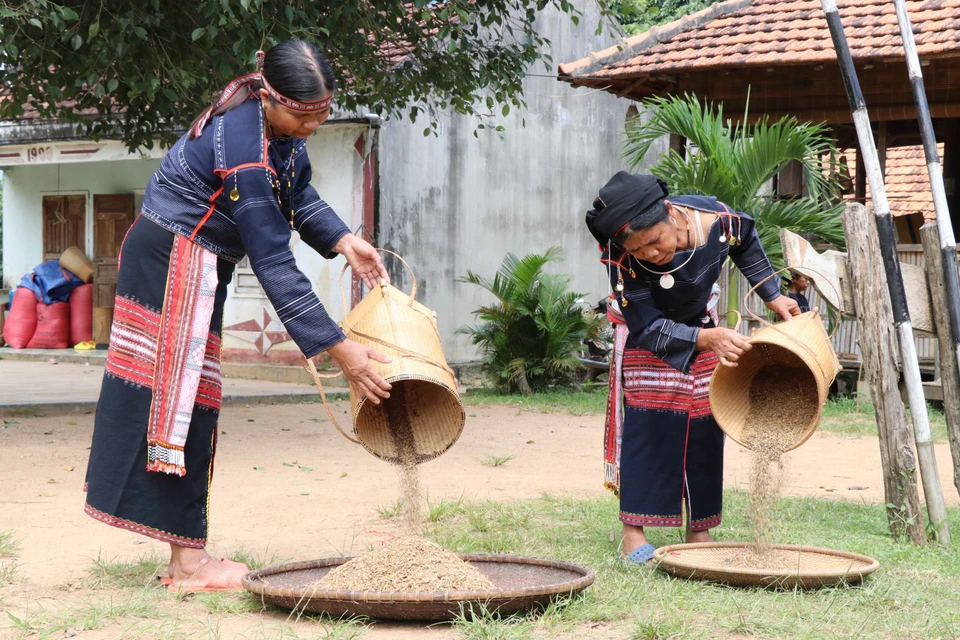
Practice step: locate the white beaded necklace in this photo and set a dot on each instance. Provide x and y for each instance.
(666, 280)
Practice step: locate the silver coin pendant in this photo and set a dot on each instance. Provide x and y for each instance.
(666, 281)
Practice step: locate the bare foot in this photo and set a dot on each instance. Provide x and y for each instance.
(698, 536)
(194, 569)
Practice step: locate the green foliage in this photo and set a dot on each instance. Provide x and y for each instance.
(637, 16)
(531, 335)
(734, 162)
(159, 62)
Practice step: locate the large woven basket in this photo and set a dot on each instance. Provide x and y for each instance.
(521, 584)
(424, 398)
(810, 567)
(801, 344)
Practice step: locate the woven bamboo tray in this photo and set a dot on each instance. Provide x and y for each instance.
(815, 567)
(523, 584)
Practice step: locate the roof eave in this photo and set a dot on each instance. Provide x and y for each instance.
(628, 48)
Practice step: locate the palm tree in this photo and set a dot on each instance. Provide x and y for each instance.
(532, 333)
(734, 162)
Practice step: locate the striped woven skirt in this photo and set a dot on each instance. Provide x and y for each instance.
(155, 431)
(663, 448)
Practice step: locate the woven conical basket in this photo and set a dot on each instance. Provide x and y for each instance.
(801, 344)
(424, 394)
(424, 405)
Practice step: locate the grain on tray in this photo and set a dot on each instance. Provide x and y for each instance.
(408, 564)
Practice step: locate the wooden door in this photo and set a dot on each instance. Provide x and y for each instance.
(64, 221)
(112, 216)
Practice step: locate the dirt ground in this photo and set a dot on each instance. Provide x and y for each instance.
(289, 487)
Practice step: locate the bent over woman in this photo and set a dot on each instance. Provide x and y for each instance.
(235, 185)
(663, 451)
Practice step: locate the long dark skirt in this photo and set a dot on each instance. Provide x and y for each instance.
(120, 490)
(671, 449)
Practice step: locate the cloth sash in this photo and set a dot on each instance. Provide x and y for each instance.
(181, 348)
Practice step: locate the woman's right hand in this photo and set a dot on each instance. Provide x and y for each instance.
(354, 361)
(728, 344)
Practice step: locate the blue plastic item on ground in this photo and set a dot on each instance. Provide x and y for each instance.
(50, 282)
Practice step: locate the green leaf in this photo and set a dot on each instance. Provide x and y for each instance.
(197, 33)
(76, 42)
(245, 4)
(140, 32)
(93, 30)
(68, 13)
(35, 23)
(112, 84)
(506, 109)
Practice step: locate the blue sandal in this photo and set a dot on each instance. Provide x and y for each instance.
(641, 555)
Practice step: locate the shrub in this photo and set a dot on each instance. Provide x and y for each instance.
(530, 337)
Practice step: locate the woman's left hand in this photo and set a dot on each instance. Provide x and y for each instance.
(363, 259)
(784, 306)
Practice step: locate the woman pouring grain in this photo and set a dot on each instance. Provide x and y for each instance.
(663, 451)
(234, 186)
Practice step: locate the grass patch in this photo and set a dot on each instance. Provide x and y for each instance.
(443, 509)
(8, 557)
(847, 417)
(391, 510)
(111, 573)
(644, 603)
(577, 403)
(495, 461)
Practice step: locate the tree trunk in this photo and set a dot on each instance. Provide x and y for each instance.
(949, 372)
(878, 347)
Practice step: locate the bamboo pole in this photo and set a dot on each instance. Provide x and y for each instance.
(948, 324)
(936, 509)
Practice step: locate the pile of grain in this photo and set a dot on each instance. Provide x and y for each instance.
(782, 400)
(408, 564)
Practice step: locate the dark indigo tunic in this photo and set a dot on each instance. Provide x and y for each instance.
(198, 174)
(667, 322)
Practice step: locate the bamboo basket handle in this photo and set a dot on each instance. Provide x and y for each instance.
(777, 329)
(413, 277)
(317, 379)
(776, 273)
(736, 327)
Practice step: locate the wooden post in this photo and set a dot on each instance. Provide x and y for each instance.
(878, 346)
(949, 372)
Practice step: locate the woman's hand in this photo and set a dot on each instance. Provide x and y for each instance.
(354, 360)
(784, 306)
(728, 344)
(363, 259)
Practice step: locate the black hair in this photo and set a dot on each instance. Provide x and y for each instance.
(654, 214)
(298, 70)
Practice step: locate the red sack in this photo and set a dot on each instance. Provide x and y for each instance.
(53, 327)
(81, 314)
(21, 323)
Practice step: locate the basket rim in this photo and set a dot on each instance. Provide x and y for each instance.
(253, 583)
(871, 564)
(823, 389)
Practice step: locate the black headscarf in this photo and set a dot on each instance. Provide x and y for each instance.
(621, 200)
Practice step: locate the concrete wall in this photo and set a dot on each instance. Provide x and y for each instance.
(453, 202)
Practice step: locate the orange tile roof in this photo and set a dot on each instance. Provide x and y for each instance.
(905, 180)
(773, 32)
